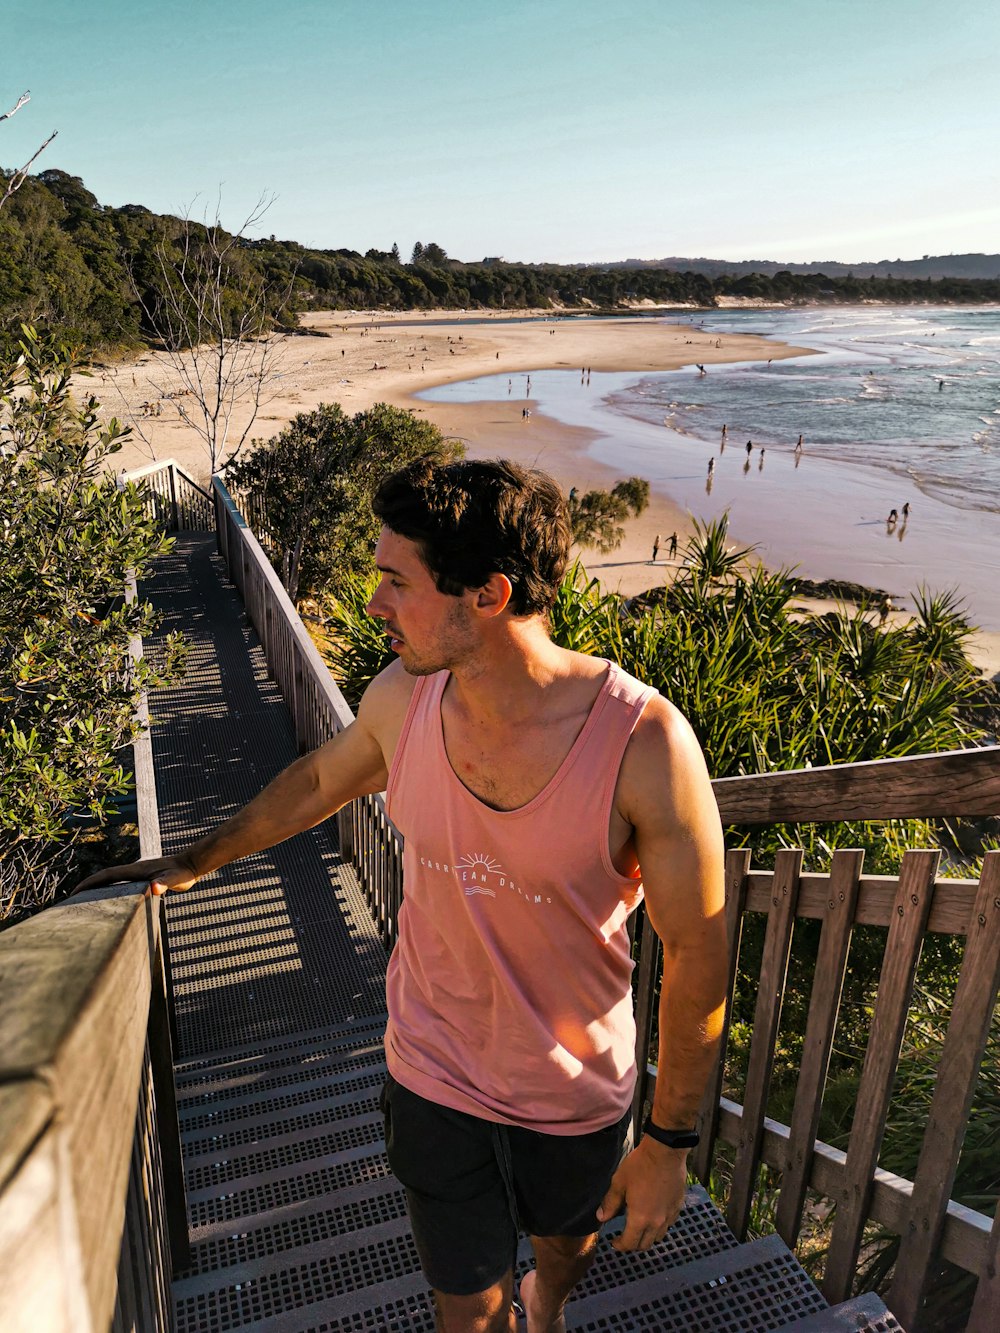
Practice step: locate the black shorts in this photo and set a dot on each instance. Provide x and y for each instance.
(472, 1184)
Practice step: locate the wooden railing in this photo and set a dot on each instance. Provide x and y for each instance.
(921, 1211)
(173, 498)
(368, 837)
(964, 783)
(92, 1215)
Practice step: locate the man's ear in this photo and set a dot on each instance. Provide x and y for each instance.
(493, 596)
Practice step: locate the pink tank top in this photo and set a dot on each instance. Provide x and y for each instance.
(509, 989)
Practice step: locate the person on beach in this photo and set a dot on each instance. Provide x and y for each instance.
(798, 445)
(749, 448)
(711, 466)
(884, 610)
(656, 548)
(541, 794)
(892, 519)
(673, 545)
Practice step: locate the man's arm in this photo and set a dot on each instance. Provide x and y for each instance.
(352, 764)
(666, 794)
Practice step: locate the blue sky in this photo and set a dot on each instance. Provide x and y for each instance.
(562, 130)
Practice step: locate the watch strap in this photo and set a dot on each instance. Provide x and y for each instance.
(671, 1138)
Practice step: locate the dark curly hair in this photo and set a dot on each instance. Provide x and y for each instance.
(472, 519)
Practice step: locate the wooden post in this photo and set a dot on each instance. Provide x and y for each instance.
(767, 1014)
(824, 1005)
(168, 1123)
(174, 514)
(645, 1008)
(902, 950)
(985, 1317)
(968, 1031)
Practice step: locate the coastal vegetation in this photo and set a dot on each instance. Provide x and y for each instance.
(596, 516)
(69, 686)
(308, 490)
(104, 276)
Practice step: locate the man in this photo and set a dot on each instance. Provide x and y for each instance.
(530, 783)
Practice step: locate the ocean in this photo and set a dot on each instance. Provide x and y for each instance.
(913, 390)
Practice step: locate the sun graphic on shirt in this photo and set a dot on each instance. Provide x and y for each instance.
(479, 861)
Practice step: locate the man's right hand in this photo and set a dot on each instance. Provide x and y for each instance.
(164, 873)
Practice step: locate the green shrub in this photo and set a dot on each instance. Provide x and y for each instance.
(308, 490)
(68, 686)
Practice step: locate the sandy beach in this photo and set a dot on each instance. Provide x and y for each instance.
(358, 359)
(361, 359)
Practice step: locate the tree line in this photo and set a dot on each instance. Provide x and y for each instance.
(95, 274)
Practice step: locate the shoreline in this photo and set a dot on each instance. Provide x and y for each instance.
(392, 357)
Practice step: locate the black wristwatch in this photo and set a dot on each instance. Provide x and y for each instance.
(671, 1138)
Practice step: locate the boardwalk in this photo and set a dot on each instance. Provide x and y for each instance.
(278, 979)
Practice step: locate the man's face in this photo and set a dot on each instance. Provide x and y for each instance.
(429, 630)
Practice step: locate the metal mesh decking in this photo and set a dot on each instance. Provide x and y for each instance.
(280, 943)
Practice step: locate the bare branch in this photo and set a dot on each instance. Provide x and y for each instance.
(210, 308)
(25, 97)
(20, 176)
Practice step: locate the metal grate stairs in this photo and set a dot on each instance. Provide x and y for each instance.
(296, 1222)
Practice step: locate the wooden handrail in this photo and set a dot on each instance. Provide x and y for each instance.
(368, 838)
(165, 465)
(956, 782)
(75, 988)
(174, 498)
(87, 1103)
(920, 1211)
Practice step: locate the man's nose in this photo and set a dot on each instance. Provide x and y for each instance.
(372, 608)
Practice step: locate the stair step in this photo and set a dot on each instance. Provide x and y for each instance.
(861, 1314)
(359, 1032)
(242, 1203)
(218, 1246)
(253, 1129)
(292, 1070)
(235, 1107)
(284, 1151)
(758, 1285)
(346, 1274)
(335, 1277)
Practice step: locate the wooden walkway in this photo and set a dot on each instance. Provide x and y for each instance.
(296, 1222)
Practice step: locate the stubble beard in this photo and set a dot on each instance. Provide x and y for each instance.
(455, 646)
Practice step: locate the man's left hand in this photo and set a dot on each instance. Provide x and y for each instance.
(650, 1184)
